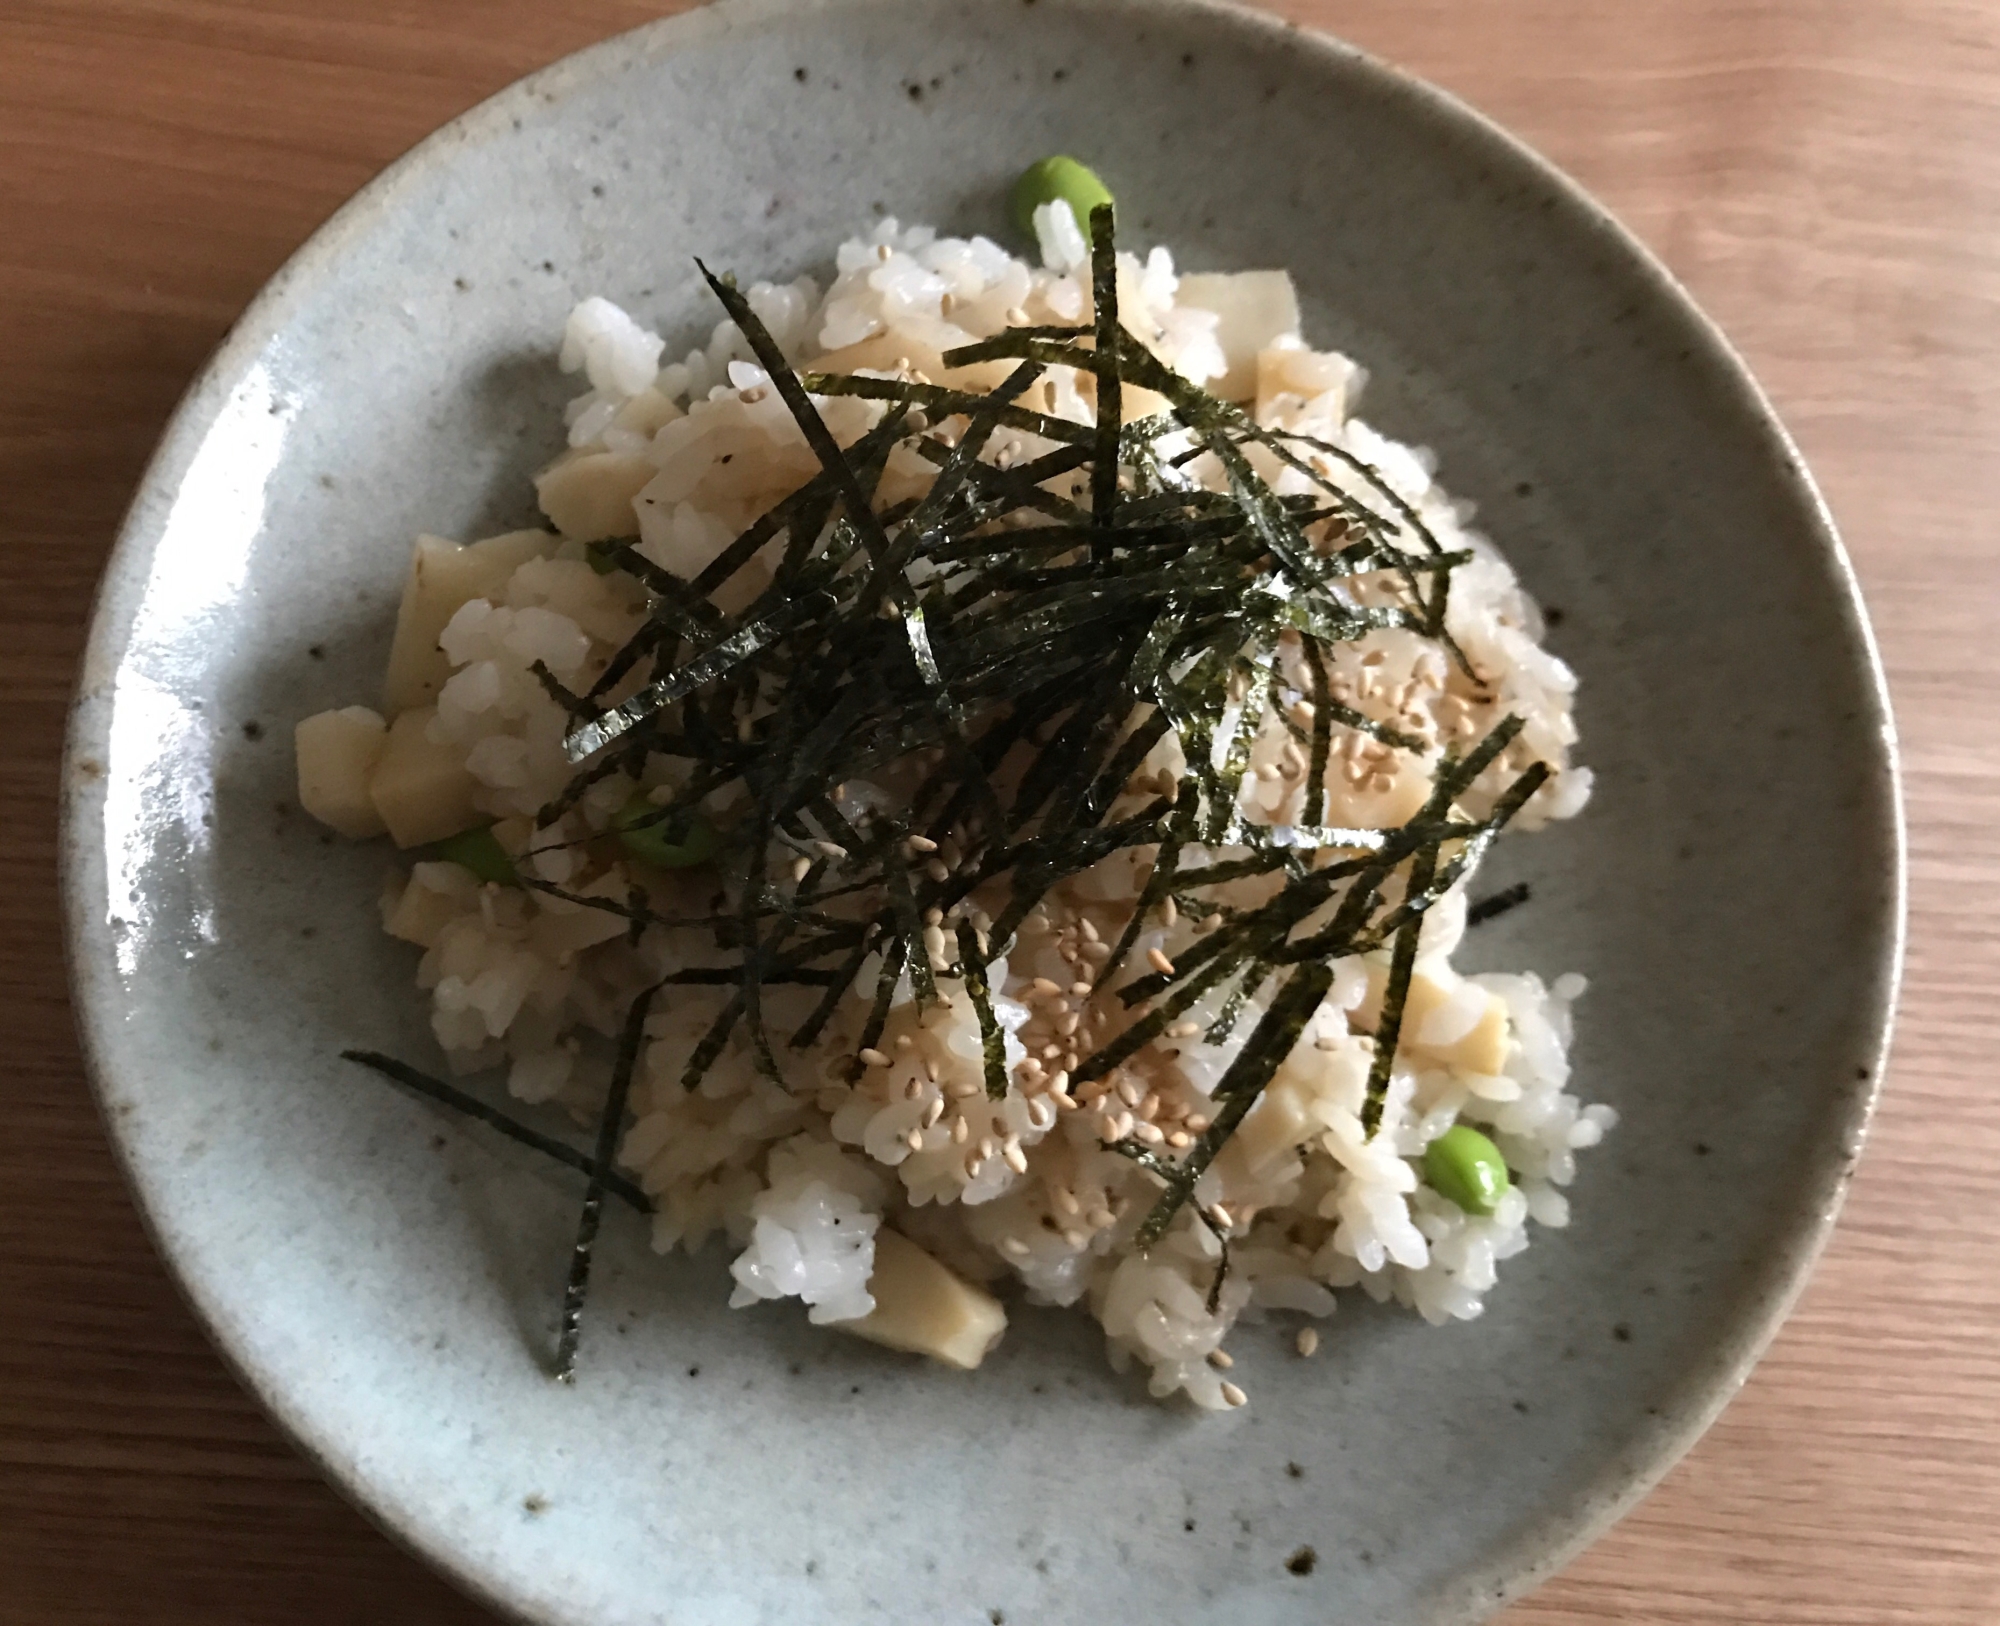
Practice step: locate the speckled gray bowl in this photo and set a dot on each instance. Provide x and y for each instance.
(383, 1278)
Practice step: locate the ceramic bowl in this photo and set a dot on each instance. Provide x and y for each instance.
(383, 1277)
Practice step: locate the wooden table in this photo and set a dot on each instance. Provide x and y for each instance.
(1825, 174)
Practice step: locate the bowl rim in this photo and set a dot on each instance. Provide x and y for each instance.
(1557, 1533)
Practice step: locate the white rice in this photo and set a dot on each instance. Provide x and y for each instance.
(796, 1180)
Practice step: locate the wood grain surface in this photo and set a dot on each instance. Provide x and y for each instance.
(1826, 178)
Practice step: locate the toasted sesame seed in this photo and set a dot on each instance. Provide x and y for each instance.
(1123, 1125)
(1326, 1041)
(1308, 1340)
(1015, 1158)
(1211, 923)
(874, 1058)
(1076, 1240)
(961, 1131)
(1183, 1030)
(1169, 910)
(1159, 962)
(1088, 928)
(904, 1041)
(801, 868)
(934, 1111)
(1080, 989)
(1148, 1133)
(914, 1140)
(937, 870)
(830, 849)
(960, 1088)
(1196, 1122)
(1067, 1023)
(1220, 1217)
(1066, 1200)
(1047, 985)
(1057, 1083)
(1180, 1139)
(1220, 1359)
(920, 844)
(1233, 1396)
(1102, 1218)
(933, 916)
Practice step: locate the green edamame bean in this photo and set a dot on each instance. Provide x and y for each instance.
(677, 840)
(1465, 1166)
(1053, 178)
(478, 851)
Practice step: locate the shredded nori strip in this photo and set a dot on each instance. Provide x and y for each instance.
(1214, 1300)
(992, 1042)
(1389, 1027)
(592, 736)
(610, 1123)
(1496, 904)
(885, 994)
(472, 1107)
(709, 1046)
(1322, 733)
(1270, 1042)
(1110, 398)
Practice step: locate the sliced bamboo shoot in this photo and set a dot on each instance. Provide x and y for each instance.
(443, 576)
(925, 1308)
(588, 495)
(1255, 307)
(421, 789)
(337, 752)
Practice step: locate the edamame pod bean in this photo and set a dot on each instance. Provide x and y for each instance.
(678, 840)
(1465, 1166)
(1057, 178)
(478, 851)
